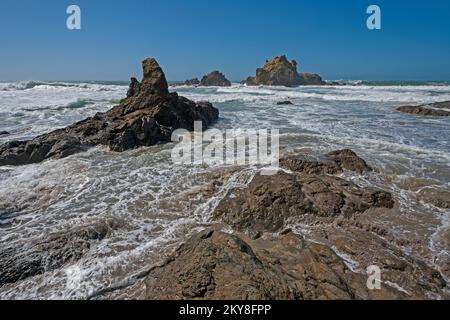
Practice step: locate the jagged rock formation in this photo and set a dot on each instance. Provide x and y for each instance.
(134, 88)
(263, 259)
(280, 72)
(269, 203)
(147, 116)
(192, 82)
(215, 79)
(439, 109)
(215, 265)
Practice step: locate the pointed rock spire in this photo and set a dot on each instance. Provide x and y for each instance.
(154, 81)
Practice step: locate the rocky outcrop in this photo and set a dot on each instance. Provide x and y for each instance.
(284, 103)
(192, 82)
(262, 258)
(439, 109)
(280, 72)
(215, 265)
(48, 253)
(215, 79)
(331, 163)
(133, 88)
(147, 116)
(270, 203)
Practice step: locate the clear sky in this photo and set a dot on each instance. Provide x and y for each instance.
(192, 37)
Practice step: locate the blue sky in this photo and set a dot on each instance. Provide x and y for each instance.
(191, 38)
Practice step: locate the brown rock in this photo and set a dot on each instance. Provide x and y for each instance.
(134, 88)
(280, 72)
(215, 265)
(332, 163)
(432, 109)
(437, 197)
(269, 203)
(349, 160)
(148, 116)
(215, 79)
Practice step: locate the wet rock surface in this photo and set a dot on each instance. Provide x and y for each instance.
(262, 258)
(48, 253)
(215, 79)
(217, 265)
(439, 109)
(147, 116)
(281, 72)
(270, 203)
(331, 163)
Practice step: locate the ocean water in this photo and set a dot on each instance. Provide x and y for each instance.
(153, 205)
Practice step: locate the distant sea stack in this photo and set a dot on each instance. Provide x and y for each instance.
(280, 72)
(192, 82)
(147, 117)
(215, 79)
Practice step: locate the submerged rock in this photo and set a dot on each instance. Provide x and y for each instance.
(215, 265)
(48, 253)
(192, 82)
(432, 109)
(284, 103)
(4, 133)
(332, 163)
(215, 79)
(148, 116)
(280, 72)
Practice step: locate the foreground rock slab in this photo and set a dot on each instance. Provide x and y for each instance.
(148, 116)
(280, 72)
(439, 109)
(217, 265)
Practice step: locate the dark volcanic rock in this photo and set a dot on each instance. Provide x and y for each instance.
(269, 203)
(433, 109)
(192, 82)
(48, 253)
(215, 79)
(284, 103)
(147, 117)
(215, 265)
(280, 72)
